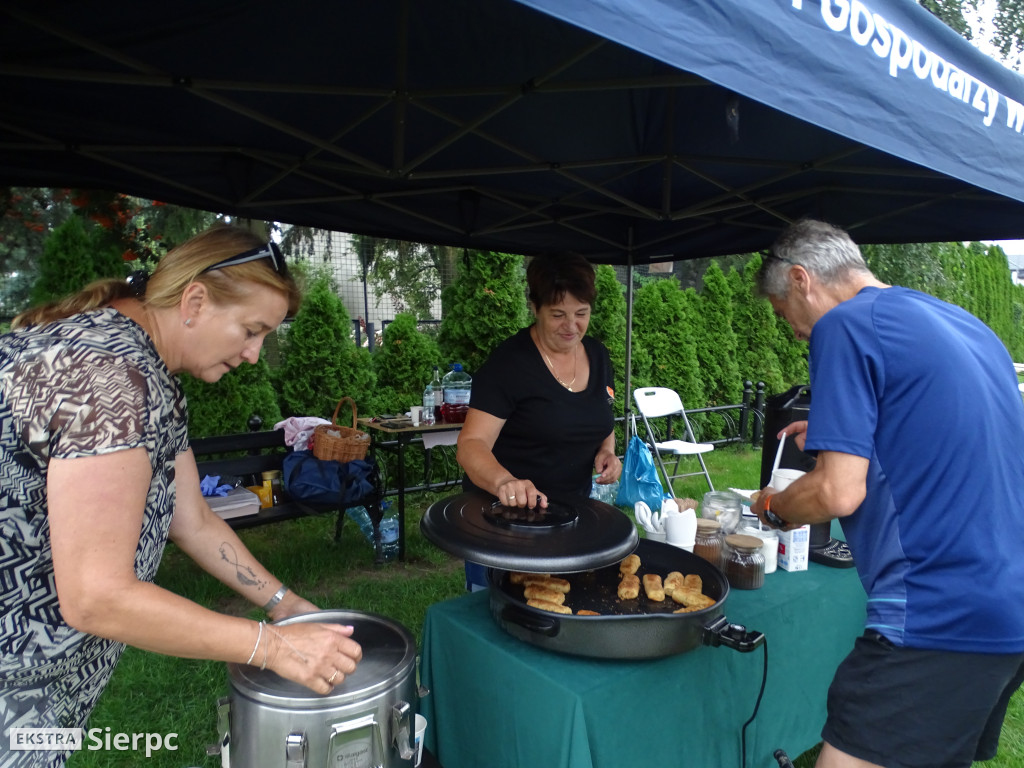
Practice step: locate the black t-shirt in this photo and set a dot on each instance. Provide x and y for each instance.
(550, 435)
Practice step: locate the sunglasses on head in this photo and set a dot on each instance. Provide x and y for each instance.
(268, 251)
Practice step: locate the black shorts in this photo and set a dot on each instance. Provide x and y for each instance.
(913, 708)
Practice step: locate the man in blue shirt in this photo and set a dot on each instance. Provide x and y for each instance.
(918, 427)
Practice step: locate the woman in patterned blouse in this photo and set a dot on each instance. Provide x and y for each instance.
(96, 474)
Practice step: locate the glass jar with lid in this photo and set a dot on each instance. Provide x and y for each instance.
(723, 506)
(743, 561)
(709, 541)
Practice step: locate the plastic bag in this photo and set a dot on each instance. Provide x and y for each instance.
(639, 480)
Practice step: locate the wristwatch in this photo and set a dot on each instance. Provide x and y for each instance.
(277, 598)
(773, 519)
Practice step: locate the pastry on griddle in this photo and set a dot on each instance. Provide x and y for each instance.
(653, 588)
(630, 565)
(629, 587)
(518, 577)
(691, 598)
(585, 612)
(537, 592)
(684, 609)
(548, 582)
(673, 582)
(693, 581)
(546, 605)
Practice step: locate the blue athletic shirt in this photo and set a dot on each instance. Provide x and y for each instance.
(928, 393)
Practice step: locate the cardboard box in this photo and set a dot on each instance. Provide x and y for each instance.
(238, 503)
(794, 548)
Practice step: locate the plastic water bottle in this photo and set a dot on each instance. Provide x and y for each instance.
(361, 517)
(427, 417)
(456, 386)
(389, 538)
(436, 388)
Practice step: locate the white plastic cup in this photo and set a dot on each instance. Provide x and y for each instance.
(417, 413)
(681, 529)
(654, 535)
(783, 478)
(421, 728)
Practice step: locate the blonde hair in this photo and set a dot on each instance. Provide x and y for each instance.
(181, 267)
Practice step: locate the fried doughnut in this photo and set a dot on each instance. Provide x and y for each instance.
(653, 588)
(629, 587)
(536, 592)
(673, 582)
(691, 598)
(518, 577)
(546, 605)
(693, 581)
(548, 582)
(630, 565)
(585, 612)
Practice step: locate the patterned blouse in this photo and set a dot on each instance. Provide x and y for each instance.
(87, 385)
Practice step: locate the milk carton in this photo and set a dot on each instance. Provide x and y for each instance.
(794, 547)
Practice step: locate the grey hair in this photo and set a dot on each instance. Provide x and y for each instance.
(825, 251)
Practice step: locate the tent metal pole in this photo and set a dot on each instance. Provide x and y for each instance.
(626, 375)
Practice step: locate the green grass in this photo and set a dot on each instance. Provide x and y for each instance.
(159, 694)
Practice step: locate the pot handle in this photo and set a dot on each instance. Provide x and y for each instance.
(401, 729)
(541, 625)
(735, 636)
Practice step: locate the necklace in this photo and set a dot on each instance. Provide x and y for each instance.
(551, 365)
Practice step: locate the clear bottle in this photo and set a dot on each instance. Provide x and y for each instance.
(361, 517)
(456, 386)
(427, 417)
(438, 390)
(389, 538)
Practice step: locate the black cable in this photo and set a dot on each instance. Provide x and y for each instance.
(757, 705)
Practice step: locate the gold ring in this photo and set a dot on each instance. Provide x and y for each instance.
(330, 680)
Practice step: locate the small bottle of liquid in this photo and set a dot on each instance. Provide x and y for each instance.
(436, 388)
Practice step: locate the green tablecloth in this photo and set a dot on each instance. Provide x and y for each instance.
(497, 702)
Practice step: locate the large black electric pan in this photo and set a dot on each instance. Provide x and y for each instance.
(630, 629)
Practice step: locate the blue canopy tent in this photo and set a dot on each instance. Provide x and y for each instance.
(628, 130)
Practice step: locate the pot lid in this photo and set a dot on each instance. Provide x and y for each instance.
(389, 656)
(574, 534)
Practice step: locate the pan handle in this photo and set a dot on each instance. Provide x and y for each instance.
(541, 625)
(735, 636)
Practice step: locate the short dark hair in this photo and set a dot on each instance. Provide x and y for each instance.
(550, 277)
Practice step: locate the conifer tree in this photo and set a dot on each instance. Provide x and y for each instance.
(320, 362)
(404, 364)
(753, 323)
(226, 407)
(484, 305)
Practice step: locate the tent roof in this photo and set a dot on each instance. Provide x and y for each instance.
(661, 130)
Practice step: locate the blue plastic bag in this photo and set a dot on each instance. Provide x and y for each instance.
(639, 480)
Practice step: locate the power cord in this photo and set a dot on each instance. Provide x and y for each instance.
(757, 704)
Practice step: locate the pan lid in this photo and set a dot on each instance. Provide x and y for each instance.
(572, 534)
(389, 657)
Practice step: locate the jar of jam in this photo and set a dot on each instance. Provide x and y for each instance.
(744, 563)
(708, 544)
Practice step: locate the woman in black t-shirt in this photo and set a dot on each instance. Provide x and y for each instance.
(540, 419)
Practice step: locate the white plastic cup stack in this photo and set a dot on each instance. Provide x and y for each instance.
(416, 413)
(681, 529)
(421, 729)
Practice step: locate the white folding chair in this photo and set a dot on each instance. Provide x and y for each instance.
(658, 402)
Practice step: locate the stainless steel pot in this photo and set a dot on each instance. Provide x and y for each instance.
(632, 629)
(365, 722)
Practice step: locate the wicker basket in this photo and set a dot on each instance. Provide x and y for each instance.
(333, 442)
